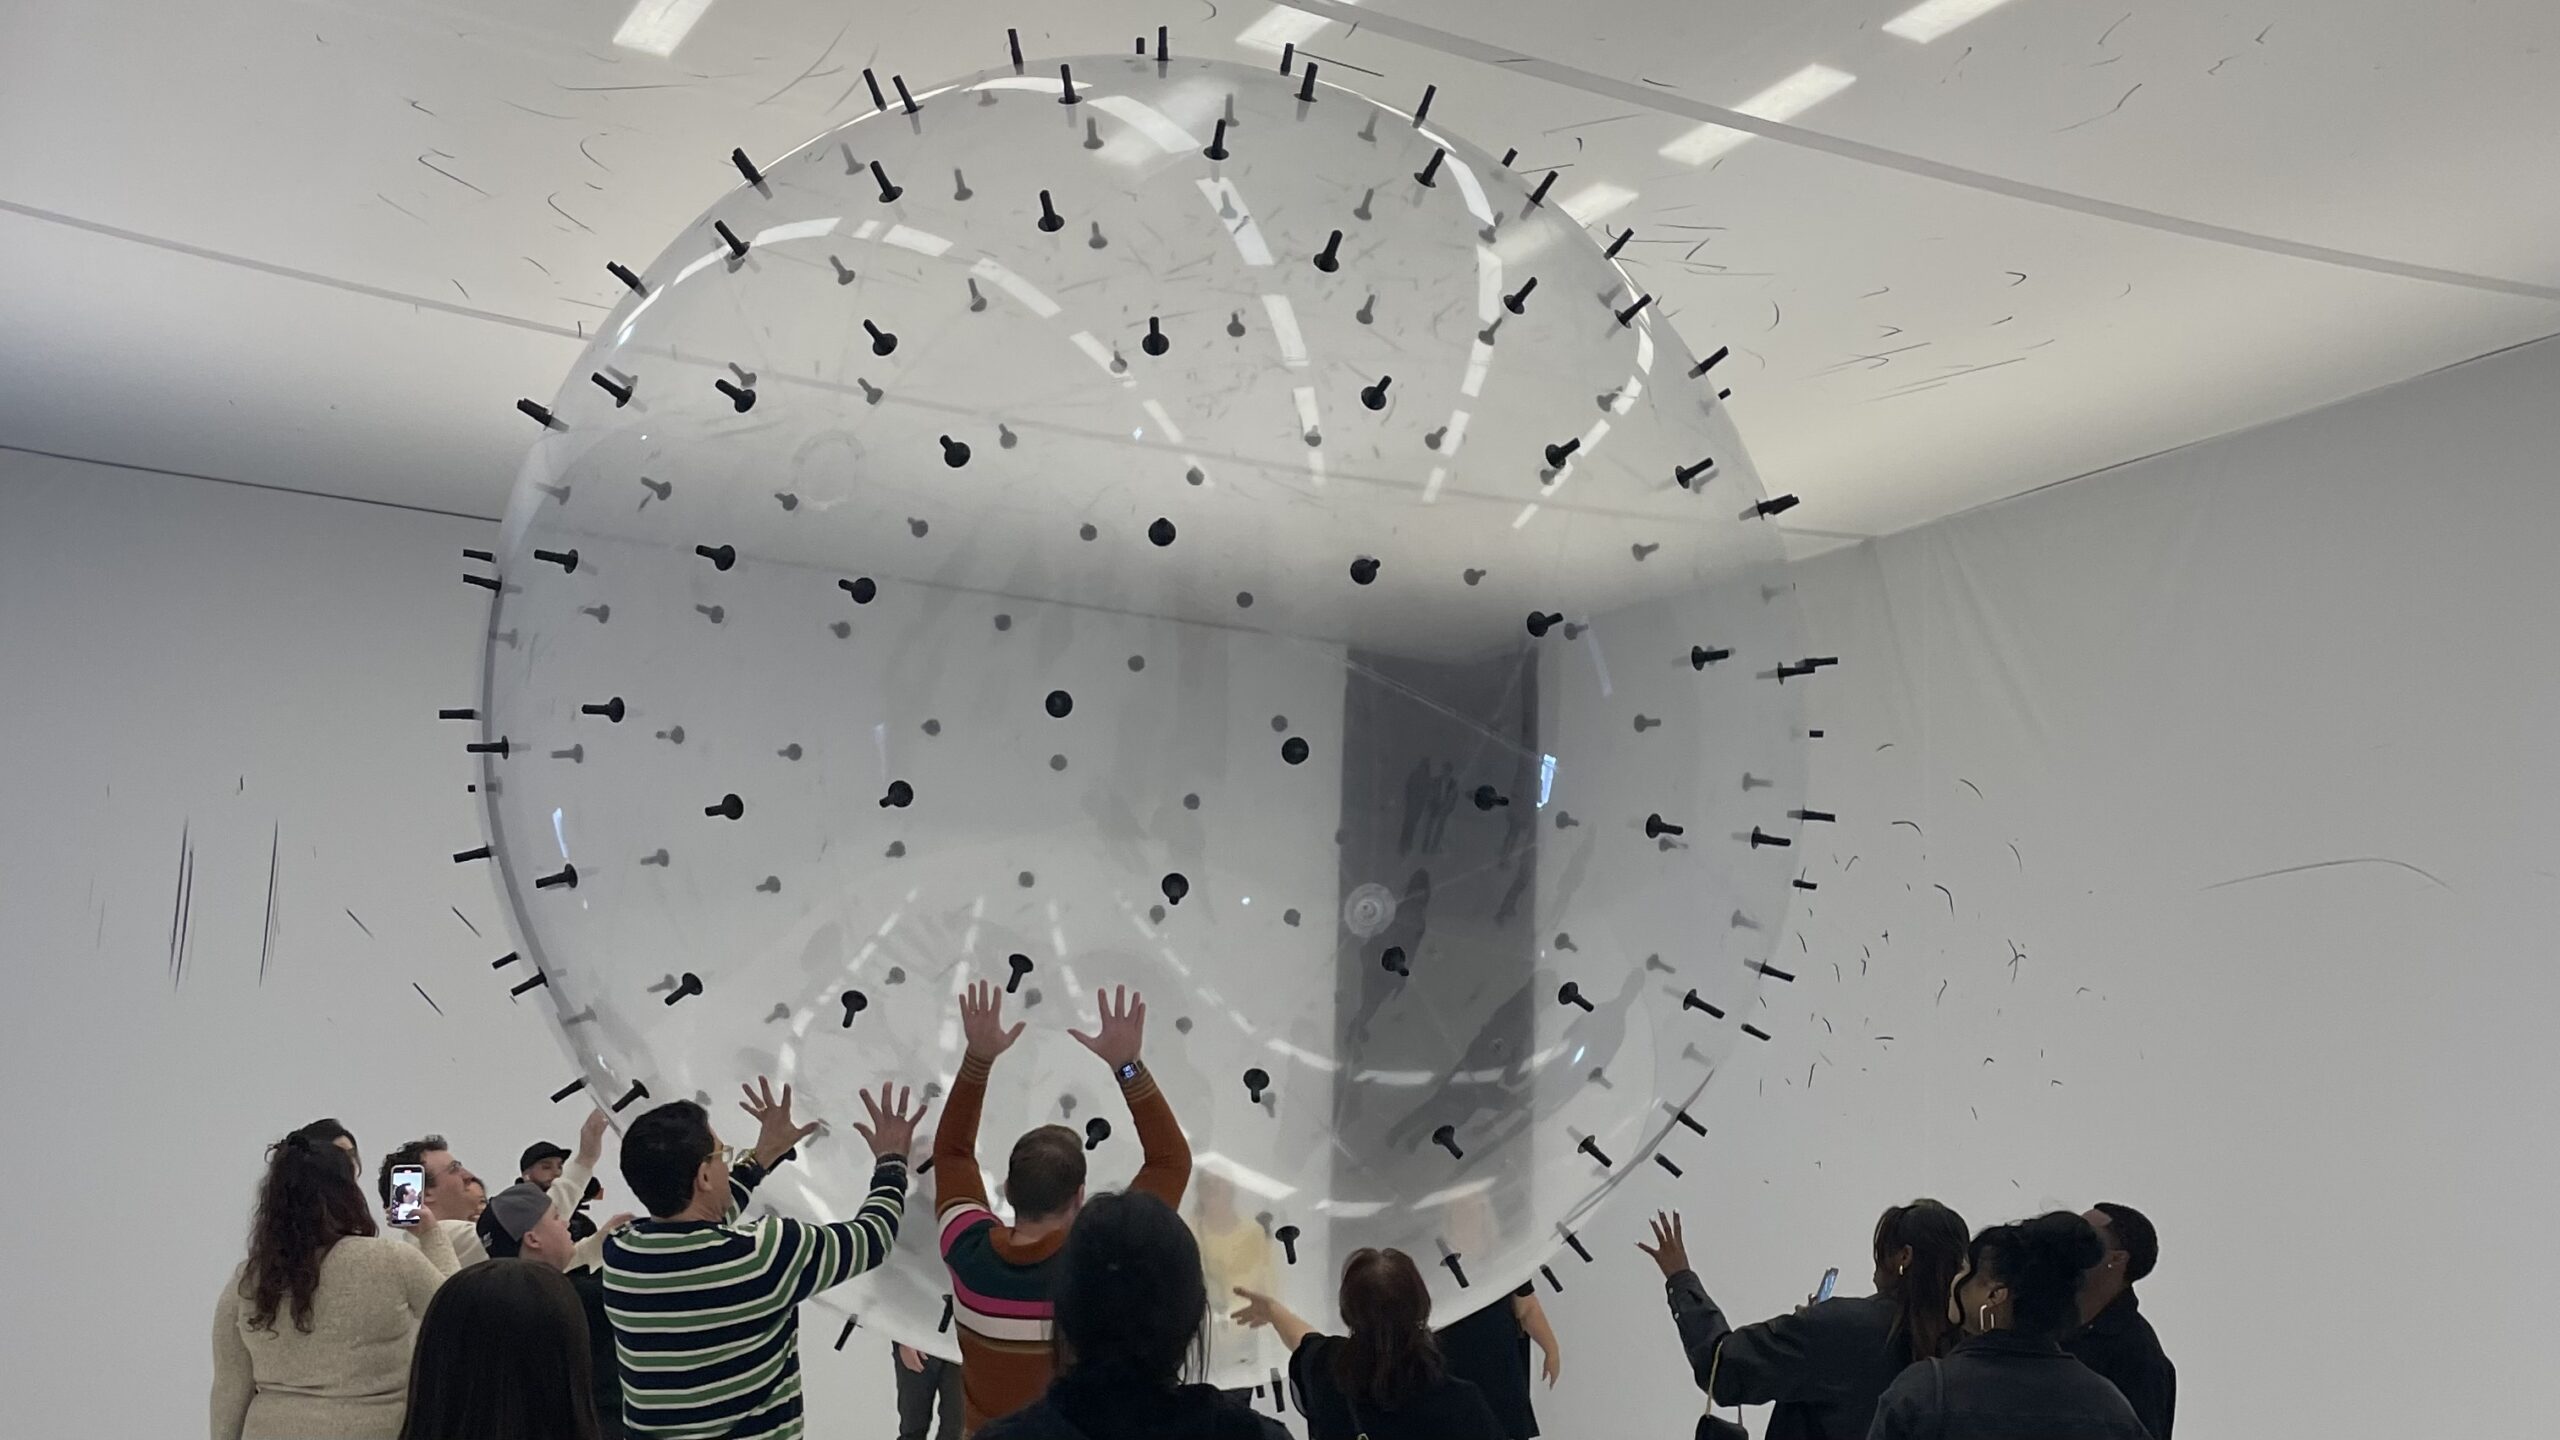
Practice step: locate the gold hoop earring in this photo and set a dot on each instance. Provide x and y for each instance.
(1901, 1269)
(1982, 1317)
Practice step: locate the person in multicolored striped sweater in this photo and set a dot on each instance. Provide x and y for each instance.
(705, 1309)
(1001, 1274)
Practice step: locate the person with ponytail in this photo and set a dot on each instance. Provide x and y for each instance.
(1824, 1366)
(2009, 1377)
(312, 1335)
(1387, 1380)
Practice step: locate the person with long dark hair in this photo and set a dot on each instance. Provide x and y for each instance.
(1386, 1380)
(313, 1332)
(2017, 1295)
(1131, 1320)
(1824, 1366)
(503, 1355)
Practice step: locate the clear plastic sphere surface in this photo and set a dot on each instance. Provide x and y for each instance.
(1235, 546)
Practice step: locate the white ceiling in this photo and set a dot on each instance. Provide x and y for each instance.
(326, 245)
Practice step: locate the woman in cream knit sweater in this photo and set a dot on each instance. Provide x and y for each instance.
(311, 1338)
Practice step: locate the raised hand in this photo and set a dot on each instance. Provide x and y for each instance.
(891, 1130)
(1123, 1031)
(1670, 1247)
(1258, 1310)
(982, 1021)
(776, 1132)
(591, 1138)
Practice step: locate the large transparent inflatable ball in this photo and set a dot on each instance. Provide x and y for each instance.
(1179, 527)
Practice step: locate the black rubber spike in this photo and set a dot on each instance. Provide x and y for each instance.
(888, 192)
(541, 414)
(1307, 85)
(1618, 244)
(1539, 195)
(1430, 171)
(746, 167)
(1013, 43)
(737, 247)
(1424, 109)
(567, 560)
(1628, 315)
(1703, 366)
(1218, 143)
(880, 101)
(627, 276)
(909, 101)
(1067, 85)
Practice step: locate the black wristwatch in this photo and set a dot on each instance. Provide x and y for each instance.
(1128, 1072)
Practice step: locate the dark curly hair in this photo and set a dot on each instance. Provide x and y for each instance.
(308, 1202)
(2041, 1261)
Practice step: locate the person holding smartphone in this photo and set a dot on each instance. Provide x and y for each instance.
(1824, 1366)
(313, 1332)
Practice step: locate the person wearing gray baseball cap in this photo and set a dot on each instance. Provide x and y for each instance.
(522, 1223)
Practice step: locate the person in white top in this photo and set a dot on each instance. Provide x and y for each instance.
(449, 1182)
(312, 1334)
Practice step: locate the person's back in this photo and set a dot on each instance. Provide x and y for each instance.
(2116, 1340)
(705, 1309)
(503, 1355)
(1002, 1276)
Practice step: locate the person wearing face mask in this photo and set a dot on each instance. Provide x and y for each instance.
(2009, 1378)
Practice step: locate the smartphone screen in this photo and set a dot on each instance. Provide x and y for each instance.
(408, 1195)
(1830, 1282)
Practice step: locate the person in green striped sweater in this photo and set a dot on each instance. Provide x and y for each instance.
(705, 1308)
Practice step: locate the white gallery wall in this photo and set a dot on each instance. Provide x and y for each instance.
(2233, 765)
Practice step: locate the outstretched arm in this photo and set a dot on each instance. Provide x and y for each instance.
(1166, 1170)
(958, 1185)
(1533, 1319)
(571, 1188)
(833, 1254)
(1260, 1310)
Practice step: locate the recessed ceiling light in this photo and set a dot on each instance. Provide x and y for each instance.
(1930, 19)
(1280, 26)
(1785, 100)
(1593, 203)
(657, 27)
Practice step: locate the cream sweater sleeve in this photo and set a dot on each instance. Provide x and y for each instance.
(435, 1246)
(571, 1187)
(233, 1383)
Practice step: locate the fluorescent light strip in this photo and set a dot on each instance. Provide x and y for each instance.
(796, 230)
(1280, 26)
(1014, 285)
(657, 27)
(1149, 121)
(1930, 19)
(1594, 203)
(1783, 101)
(1164, 422)
(917, 240)
(1284, 330)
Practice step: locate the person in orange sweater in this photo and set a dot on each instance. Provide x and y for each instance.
(1001, 1274)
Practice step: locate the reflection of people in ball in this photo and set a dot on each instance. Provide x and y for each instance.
(1234, 1251)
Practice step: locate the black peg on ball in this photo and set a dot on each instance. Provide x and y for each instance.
(1050, 220)
(1160, 45)
(1155, 343)
(1217, 143)
(1067, 85)
(1760, 837)
(1294, 750)
(1429, 92)
(572, 1088)
(899, 82)
(1021, 966)
(737, 247)
(1665, 1162)
(882, 342)
(1692, 1002)
(1823, 815)
(464, 857)
(1488, 798)
(1702, 656)
(1307, 85)
(1821, 662)
(485, 582)
(1540, 624)
(1257, 1083)
(1394, 962)
(1539, 195)
(1628, 315)
(1655, 827)
(564, 878)
(888, 191)
(479, 555)
(627, 276)
(620, 391)
(1785, 673)
(1571, 994)
(1777, 506)
(854, 1002)
(1517, 302)
(1446, 1137)
(746, 166)
(1455, 1269)
(637, 1091)
(691, 984)
(567, 560)
(1288, 56)
(1591, 1146)
(1013, 42)
(1552, 1282)
(1558, 454)
(1096, 1130)
(862, 589)
(1375, 396)
(954, 453)
(741, 398)
(1618, 244)
(1703, 366)
(612, 710)
(539, 980)
(1287, 1235)
(1687, 1123)
(1176, 885)
(1755, 1032)
(720, 556)
(878, 100)
(541, 415)
(1575, 1241)
(457, 714)
(729, 808)
(1161, 532)
(900, 796)
(1429, 174)
(1329, 259)
(1686, 473)
(1364, 570)
(945, 1326)
(497, 747)
(1804, 885)
(1060, 704)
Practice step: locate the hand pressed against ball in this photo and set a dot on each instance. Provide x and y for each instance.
(891, 1130)
(1670, 1249)
(982, 1021)
(1123, 1030)
(775, 1131)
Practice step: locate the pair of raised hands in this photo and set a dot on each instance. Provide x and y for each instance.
(1117, 1039)
(890, 1129)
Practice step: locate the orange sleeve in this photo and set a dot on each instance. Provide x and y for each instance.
(1167, 1171)
(955, 1141)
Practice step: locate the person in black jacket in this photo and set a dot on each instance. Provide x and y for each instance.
(2113, 1338)
(1131, 1312)
(2009, 1378)
(1824, 1365)
(1388, 1379)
